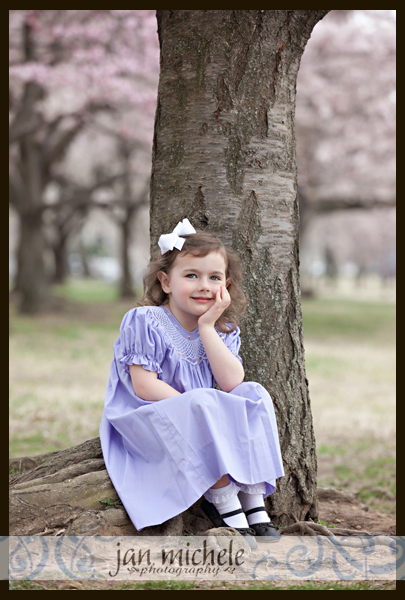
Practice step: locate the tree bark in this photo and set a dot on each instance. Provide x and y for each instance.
(126, 284)
(32, 280)
(224, 156)
(60, 254)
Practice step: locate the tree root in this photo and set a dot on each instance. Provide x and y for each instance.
(307, 528)
(69, 492)
(311, 528)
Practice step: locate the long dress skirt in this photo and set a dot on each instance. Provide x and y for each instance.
(162, 456)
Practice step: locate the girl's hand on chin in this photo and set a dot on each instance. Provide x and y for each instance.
(211, 316)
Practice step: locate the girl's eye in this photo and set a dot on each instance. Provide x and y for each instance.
(193, 275)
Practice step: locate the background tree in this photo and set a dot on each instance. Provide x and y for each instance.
(87, 69)
(224, 156)
(129, 192)
(68, 211)
(65, 67)
(345, 127)
(119, 186)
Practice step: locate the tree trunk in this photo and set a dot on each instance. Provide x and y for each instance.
(84, 256)
(126, 284)
(224, 156)
(32, 280)
(60, 254)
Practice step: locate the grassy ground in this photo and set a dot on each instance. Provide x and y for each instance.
(59, 367)
(207, 585)
(350, 362)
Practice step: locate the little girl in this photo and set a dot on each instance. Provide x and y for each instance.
(168, 435)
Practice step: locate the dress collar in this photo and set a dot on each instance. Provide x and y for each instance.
(194, 334)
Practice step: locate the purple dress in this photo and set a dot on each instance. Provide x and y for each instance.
(162, 456)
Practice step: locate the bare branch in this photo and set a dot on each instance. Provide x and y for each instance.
(56, 152)
(334, 204)
(25, 126)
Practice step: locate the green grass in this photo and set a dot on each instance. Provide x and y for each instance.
(26, 585)
(185, 585)
(59, 367)
(111, 503)
(325, 523)
(311, 585)
(29, 446)
(366, 467)
(330, 450)
(87, 290)
(157, 585)
(350, 365)
(349, 319)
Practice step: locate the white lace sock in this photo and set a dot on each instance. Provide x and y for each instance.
(225, 499)
(252, 497)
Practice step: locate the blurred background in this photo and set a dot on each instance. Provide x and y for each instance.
(82, 100)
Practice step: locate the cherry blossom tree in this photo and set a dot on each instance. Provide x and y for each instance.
(67, 67)
(345, 117)
(74, 72)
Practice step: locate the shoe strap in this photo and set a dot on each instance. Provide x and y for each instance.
(253, 510)
(266, 525)
(246, 531)
(230, 514)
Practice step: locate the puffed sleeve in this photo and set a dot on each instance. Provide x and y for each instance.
(232, 341)
(140, 342)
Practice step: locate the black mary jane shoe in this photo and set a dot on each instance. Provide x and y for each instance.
(218, 521)
(264, 531)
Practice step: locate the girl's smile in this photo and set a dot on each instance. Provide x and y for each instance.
(192, 284)
(202, 300)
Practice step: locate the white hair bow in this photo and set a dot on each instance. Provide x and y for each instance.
(168, 241)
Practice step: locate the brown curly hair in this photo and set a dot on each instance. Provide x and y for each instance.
(200, 243)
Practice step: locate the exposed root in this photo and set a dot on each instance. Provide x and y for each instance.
(307, 528)
(311, 528)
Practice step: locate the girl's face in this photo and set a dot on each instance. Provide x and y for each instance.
(192, 284)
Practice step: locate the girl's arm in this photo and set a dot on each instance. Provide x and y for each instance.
(226, 368)
(148, 387)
